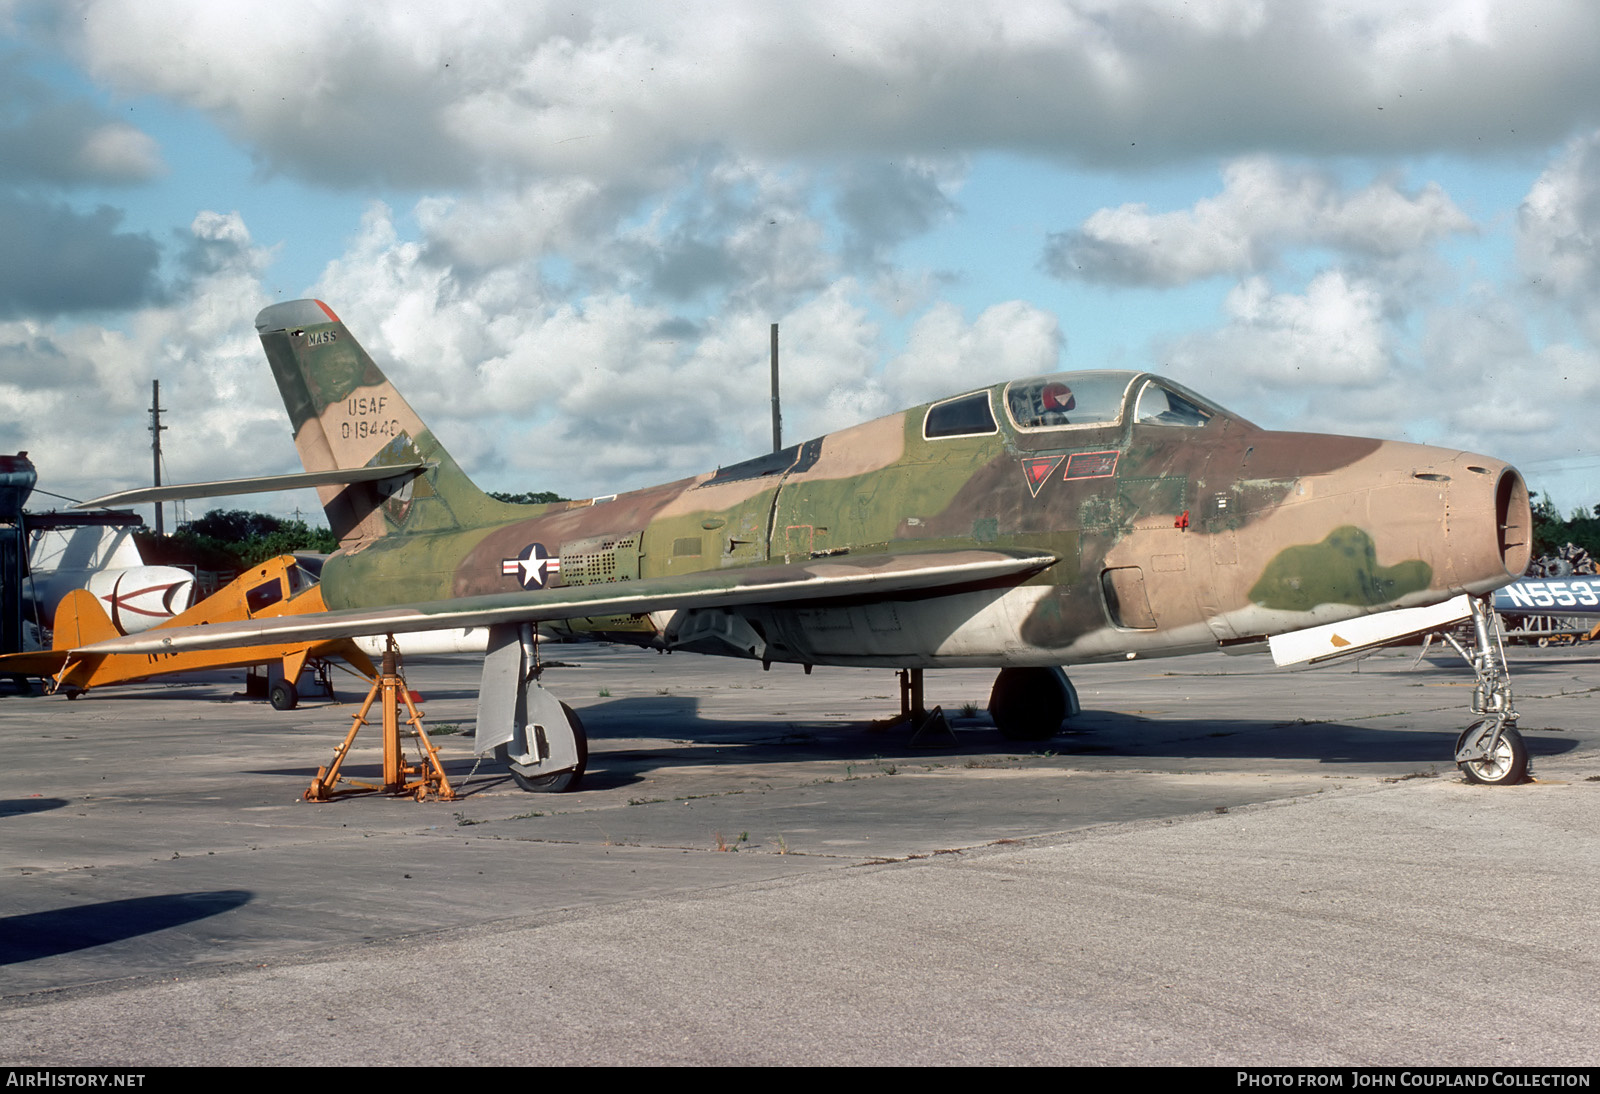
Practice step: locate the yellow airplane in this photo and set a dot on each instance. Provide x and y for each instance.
(274, 589)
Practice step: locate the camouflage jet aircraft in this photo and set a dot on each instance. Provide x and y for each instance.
(1048, 521)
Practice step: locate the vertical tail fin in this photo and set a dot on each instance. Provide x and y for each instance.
(346, 414)
(81, 621)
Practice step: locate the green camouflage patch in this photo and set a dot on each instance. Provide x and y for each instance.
(1342, 569)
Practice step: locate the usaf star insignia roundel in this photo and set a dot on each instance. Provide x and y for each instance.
(533, 567)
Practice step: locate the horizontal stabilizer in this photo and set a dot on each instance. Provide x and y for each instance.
(876, 576)
(263, 484)
(1365, 632)
(80, 621)
(33, 662)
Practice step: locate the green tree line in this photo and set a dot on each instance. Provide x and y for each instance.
(233, 539)
(529, 497)
(1551, 532)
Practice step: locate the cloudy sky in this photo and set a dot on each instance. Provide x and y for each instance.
(565, 233)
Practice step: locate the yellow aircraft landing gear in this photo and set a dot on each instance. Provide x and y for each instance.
(390, 689)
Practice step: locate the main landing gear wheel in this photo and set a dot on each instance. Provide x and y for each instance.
(560, 781)
(283, 696)
(1029, 704)
(1505, 766)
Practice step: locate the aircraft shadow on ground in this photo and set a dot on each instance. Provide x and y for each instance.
(676, 721)
(1104, 732)
(65, 930)
(779, 739)
(16, 807)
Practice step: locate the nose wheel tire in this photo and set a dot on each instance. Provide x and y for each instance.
(1505, 766)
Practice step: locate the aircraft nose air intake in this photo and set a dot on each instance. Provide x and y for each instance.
(1514, 520)
(1488, 523)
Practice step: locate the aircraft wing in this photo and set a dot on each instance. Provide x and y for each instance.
(261, 484)
(863, 576)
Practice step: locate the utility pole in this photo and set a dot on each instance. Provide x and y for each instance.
(777, 414)
(155, 444)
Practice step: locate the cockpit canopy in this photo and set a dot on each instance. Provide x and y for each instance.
(1074, 399)
(1067, 398)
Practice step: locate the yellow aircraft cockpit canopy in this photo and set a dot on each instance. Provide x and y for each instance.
(298, 580)
(301, 580)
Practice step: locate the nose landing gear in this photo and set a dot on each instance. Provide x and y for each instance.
(1490, 750)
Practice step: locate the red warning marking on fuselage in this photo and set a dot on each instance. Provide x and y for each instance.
(1036, 469)
(1092, 465)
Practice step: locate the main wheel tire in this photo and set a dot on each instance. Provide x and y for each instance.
(1027, 704)
(561, 781)
(283, 696)
(1506, 767)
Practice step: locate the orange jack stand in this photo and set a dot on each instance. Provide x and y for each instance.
(430, 774)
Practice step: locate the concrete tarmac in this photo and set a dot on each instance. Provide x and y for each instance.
(1218, 862)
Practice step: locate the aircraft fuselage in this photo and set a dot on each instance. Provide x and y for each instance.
(1177, 527)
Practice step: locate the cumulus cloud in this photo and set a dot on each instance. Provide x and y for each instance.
(32, 361)
(621, 199)
(1265, 207)
(581, 391)
(883, 203)
(944, 353)
(595, 391)
(341, 91)
(59, 260)
(718, 238)
(1488, 381)
(77, 392)
(738, 228)
(1331, 337)
(52, 139)
(1485, 385)
(1558, 228)
(1463, 373)
(217, 243)
(720, 228)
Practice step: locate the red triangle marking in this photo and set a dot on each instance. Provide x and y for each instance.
(1036, 469)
